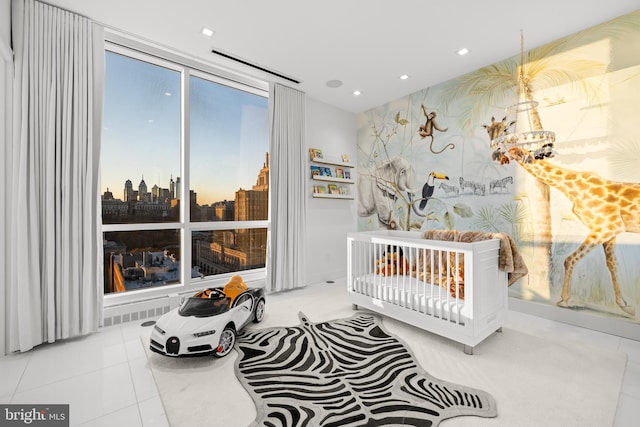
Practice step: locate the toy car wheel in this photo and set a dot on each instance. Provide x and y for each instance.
(227, 341)
(258, 314)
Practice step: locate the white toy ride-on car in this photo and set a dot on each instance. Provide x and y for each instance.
(208, 322)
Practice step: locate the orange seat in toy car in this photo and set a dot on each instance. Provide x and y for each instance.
(233, 288)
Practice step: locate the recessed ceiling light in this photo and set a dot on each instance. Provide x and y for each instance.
(334, 83)
(167, 93)
(356, 92)
(404, 77)
(208, 32)
(463, 51)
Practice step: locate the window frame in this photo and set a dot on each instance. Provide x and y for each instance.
(187, 67)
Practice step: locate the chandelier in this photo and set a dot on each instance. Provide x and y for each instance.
(537, 141)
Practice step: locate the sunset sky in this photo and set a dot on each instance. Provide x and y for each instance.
(141, 131)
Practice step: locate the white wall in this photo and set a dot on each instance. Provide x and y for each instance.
(329, 220)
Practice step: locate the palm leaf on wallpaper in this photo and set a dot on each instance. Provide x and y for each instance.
(507, 218)
(550, 65)
(624, 157)
(515, 215)
(487, 219)
(496, 85)
(616, 29)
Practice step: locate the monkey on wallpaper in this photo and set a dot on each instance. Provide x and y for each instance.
(427, 128)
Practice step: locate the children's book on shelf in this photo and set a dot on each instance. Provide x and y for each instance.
(320, 189)
(344, 191)
(316, 170)
(333, 189)
(325, 171)
(339, 173)
(346, 174)
(315, 153)
(345, 158)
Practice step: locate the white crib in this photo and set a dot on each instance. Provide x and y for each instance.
(471, 307)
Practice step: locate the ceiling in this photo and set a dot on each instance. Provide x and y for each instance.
(366, 45)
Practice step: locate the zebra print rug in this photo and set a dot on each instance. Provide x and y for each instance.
(346, 372)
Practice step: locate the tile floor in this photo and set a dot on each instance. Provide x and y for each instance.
(105, 379)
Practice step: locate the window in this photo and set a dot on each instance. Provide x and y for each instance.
(185, 174)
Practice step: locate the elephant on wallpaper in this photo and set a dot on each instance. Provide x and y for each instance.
(380, 186)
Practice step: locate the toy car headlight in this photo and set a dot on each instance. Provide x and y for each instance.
(203, 334)
(157, 328)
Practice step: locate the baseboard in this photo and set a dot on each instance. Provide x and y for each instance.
(618, 327)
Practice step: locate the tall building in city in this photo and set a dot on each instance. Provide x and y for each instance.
(251, 205)
(107, 195)
(262, 184)
(143, 194)
(223, 211)
(155, 192)
(254, 204)
(129, 194)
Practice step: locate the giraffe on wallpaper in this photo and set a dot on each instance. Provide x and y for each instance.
(607, 208)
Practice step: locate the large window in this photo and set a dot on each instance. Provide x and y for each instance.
(185, 174)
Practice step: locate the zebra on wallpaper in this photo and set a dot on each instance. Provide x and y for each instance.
(345, 372)
(500, 183)
(477, 187)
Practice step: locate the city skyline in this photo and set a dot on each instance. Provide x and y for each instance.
(120, 194)
(174, 187)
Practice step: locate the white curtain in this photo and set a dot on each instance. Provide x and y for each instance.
(287, 195)
(6, 79)
(54, 288)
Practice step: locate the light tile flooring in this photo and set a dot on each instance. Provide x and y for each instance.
(105, 379)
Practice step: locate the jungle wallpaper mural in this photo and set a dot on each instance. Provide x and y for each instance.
(446, 157)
